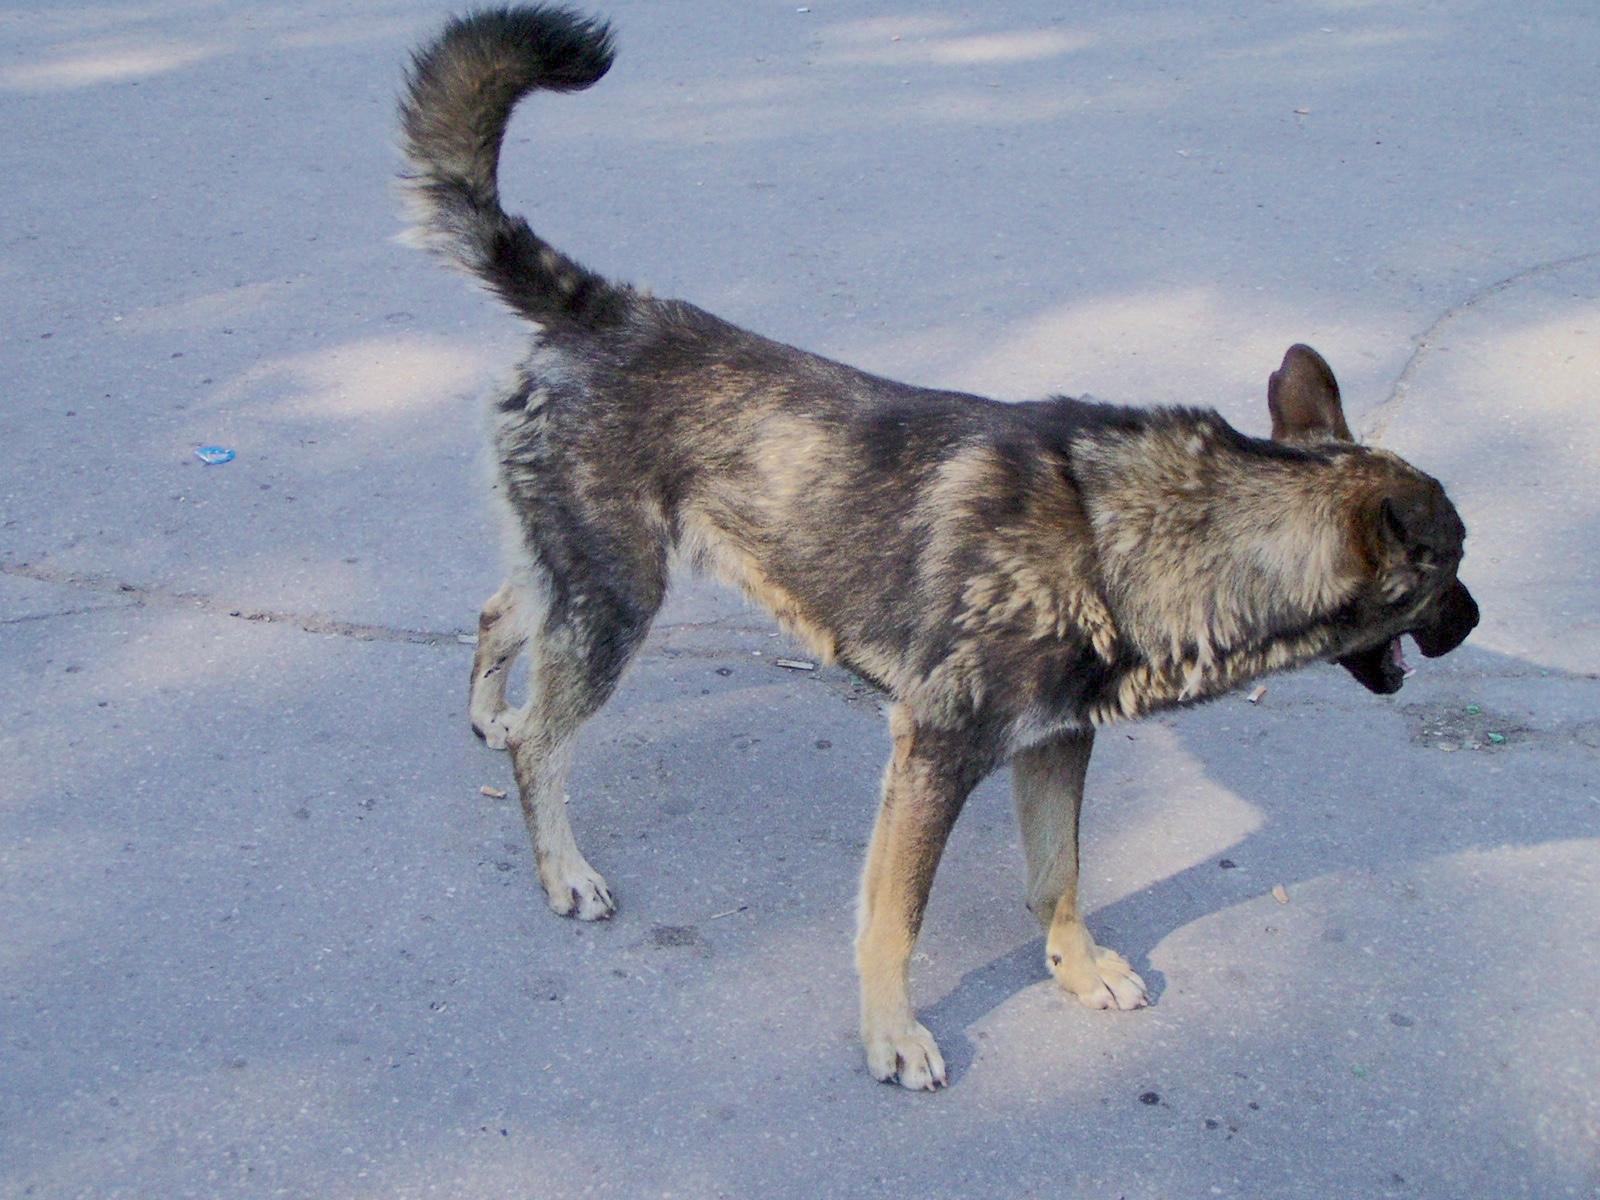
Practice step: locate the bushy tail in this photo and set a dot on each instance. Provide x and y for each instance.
(458, 98)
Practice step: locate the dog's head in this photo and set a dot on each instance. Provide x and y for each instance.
(1407, 536)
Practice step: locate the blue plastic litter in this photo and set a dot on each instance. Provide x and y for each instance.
(214, 456)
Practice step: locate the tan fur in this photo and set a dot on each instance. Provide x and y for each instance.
(1205, 544)
(711, 551)
(1041, 570)
(913, 820)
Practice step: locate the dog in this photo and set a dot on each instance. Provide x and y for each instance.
(1013, 576)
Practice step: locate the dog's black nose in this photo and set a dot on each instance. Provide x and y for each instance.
(1454, 615)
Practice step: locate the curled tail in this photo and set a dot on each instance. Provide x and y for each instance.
(458, 98)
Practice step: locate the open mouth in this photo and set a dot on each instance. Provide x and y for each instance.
(1397, 657)
(1383, 668)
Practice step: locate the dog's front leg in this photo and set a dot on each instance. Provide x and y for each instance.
(1047, 782)
(927, 781)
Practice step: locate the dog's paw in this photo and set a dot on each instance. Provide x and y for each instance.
(581, 894)
(1101, 979)
(907, 1056)
(494, 730)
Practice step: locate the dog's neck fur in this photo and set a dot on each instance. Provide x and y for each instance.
(1192, 528)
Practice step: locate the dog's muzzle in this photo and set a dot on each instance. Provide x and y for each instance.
(1446, 624)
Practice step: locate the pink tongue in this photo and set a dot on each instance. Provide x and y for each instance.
(1399, 657)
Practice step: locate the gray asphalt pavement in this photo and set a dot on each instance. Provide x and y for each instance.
(262, 931)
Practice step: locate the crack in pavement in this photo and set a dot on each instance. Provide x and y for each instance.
(161, 598)
(1380, 418)
(83, 611)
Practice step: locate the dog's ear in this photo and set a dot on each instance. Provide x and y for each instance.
(1303, 397)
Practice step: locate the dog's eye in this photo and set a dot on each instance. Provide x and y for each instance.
(1422, 527)
(1389, 514)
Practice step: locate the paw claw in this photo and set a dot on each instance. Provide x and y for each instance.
(1102, 980)
(585, 898)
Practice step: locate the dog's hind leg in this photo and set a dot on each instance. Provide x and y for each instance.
(500, 640)
(926, 783)
(1047, 783)
(575, 664)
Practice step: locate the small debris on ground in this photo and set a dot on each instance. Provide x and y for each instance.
(794, 664)
(1256, 693)
(214, 456)
(1280, 893)
(493, 793)
(1453, 726)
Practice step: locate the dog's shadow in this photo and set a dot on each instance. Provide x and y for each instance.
(980, 991)
(1133, 926)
